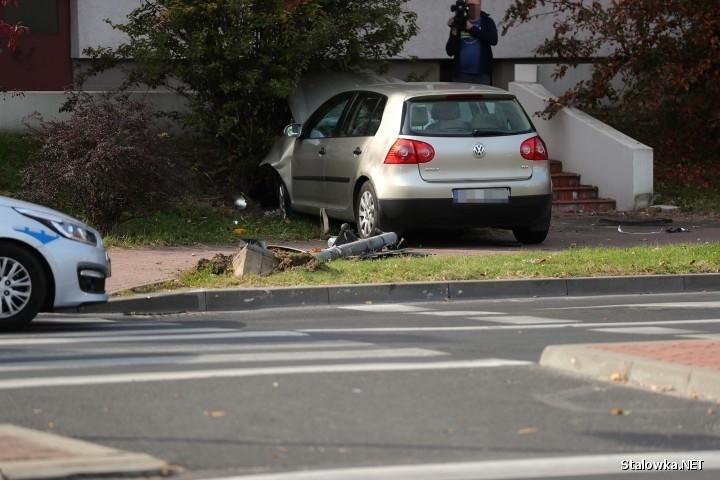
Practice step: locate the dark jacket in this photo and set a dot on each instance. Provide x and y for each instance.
(488, 36)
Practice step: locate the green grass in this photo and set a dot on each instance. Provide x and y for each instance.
(14, 152)
(689, 197)
(200, 222)
(573, 262)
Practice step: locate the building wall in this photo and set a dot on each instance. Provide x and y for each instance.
(423, 56)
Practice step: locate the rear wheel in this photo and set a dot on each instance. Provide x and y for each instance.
(367, 211)
(530, 237)
(22, 286)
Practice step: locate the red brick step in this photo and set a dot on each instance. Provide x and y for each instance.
(570, 196)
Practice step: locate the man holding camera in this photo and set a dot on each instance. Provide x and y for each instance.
(472, 34)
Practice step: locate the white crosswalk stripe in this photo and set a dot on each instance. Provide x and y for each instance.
(645, 330)
(506, 321)
(476, 315)
(166, 352)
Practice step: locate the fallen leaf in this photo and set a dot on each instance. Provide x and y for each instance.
(618, 377)
(240, 231)
(618, 411)
(214, 413)
(279, 452)
(37, 411)
(527, 431)
(692, 262)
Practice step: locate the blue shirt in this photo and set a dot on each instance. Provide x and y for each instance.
(470, 54)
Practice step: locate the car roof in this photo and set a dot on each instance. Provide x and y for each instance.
(413, 89)
(315, 89)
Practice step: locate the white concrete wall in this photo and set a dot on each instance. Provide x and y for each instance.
(89, 28)
(621, 167)
(17, 109)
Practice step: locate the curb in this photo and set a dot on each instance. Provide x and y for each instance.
(241, 299)
(40, 455)
(626, 369)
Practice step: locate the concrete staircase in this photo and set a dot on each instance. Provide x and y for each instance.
(570, 196)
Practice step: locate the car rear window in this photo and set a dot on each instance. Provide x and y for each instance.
(465, 117)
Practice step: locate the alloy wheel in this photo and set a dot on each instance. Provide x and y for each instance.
(366, 214)
(15, 287)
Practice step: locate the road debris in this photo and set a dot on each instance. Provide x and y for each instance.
(255, 257)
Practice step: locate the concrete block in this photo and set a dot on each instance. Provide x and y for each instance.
(254, 259)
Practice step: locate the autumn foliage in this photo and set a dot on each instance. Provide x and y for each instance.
(9, 34)
(655, 62)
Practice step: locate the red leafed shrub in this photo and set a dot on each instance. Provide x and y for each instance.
(106, 164)
(657, 63)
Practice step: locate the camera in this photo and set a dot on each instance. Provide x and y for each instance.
(461, 9)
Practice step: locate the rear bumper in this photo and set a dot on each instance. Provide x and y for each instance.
(523, 211)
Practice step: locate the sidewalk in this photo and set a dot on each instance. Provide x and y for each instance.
(29, 454)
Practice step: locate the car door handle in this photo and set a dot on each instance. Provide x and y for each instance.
(357, 151)
(322, 151)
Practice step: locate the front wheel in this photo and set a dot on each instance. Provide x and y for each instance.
(367, 211)
(22, 287)
(283, 198)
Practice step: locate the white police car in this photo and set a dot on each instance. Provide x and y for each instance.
(48, 261)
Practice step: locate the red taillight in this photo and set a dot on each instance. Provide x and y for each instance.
(406, 151)
(534, 149)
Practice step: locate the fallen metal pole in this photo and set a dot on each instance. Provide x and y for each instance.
(358, 247)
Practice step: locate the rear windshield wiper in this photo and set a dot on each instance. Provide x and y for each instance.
(484, 133)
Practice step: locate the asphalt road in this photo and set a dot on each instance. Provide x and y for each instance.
(366, 386)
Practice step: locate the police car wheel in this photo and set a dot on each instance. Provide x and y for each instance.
(22, 286)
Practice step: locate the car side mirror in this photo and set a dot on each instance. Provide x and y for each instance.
(292, 130)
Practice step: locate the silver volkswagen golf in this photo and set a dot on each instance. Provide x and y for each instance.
(400, 156)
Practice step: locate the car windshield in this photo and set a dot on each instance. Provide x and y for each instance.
(465, 117)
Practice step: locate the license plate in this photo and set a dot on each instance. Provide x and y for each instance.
(481, 195)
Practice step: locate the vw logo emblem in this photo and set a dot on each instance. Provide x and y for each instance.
(479, 150)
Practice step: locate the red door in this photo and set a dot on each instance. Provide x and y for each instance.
(42, 61)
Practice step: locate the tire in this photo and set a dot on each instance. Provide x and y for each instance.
(527, 236)
(367, 211)
(22, 287)
(283, 198)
